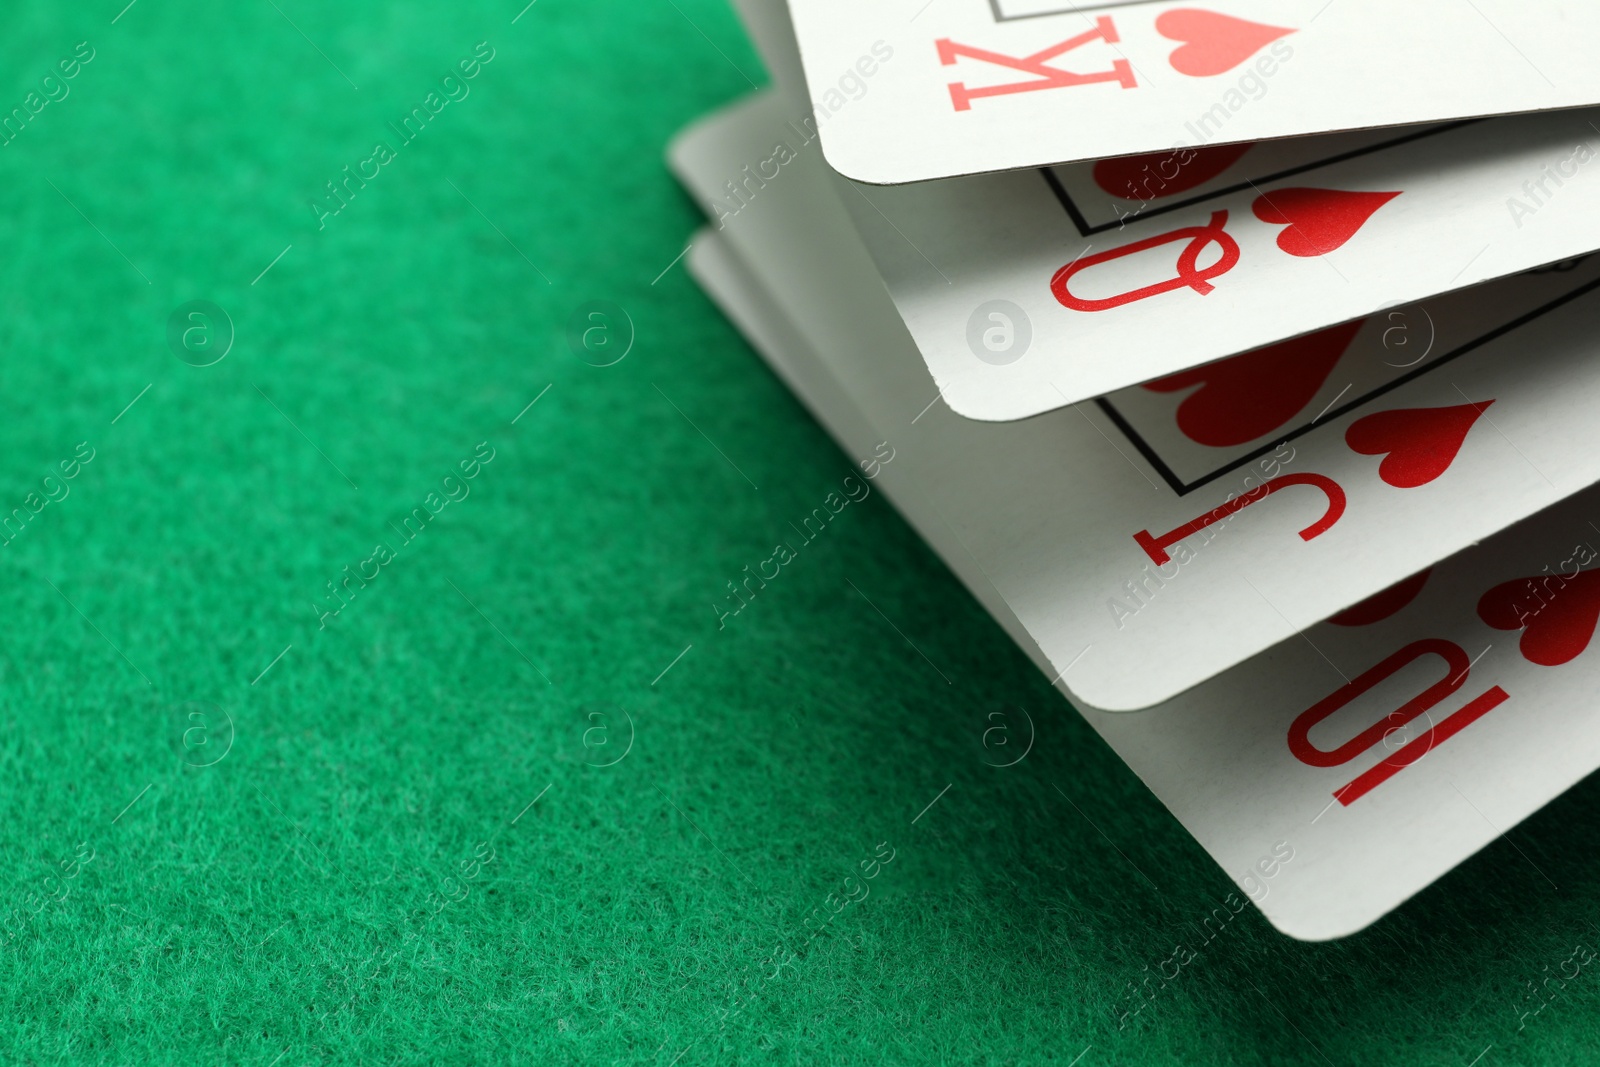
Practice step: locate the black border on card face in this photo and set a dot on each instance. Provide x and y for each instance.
(1182, 488)
(1086, 230)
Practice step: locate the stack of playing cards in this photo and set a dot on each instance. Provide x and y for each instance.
(1236, 362)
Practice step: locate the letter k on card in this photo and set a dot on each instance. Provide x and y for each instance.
(980, 86)
(1045, 77)
(1138, 267)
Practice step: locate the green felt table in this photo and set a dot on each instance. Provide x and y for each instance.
(513, 796)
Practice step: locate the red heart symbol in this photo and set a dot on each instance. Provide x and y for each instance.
(1557, 623)
(1248, 396)
(1319, 220)
(1420, 443)
(1213, 43)
(1158, 174)
(1380, 606)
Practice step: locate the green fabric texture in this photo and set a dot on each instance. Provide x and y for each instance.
(521, 800)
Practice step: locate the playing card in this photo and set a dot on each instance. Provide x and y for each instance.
(1339, 773)
(909, 90)
(1149, 541)
(1105, 274)
(1118, 292)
